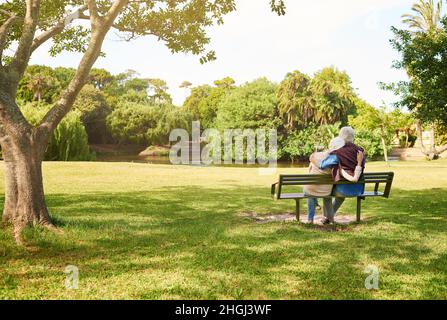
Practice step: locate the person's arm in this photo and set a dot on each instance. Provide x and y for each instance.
(355, 177)
(313, 160)
(329, 162)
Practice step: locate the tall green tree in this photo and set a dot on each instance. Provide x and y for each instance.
(422, 56)
(39, 83)
(192, 102)
(27, 24)
(334, 96)
(250, 106)
(101, 78)
(159, 91)
(209, 105)
(295, 100)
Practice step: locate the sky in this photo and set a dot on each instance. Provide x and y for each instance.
(352, 35)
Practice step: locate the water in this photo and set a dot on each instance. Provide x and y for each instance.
(165, 160)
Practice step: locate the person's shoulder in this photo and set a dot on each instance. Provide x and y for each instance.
(321, 155)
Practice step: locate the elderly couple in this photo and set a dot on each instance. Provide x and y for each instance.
(343, 159)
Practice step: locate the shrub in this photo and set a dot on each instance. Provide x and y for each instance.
(140, 123)
(302, 143)
(94, 110)
(370, 141)
(69, 139)
(251, 106)
(129, 122)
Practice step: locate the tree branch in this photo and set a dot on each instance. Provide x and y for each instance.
(121, 29)
(114, 10)
(421, 140)
(93, 9)
(23, 52)
(100, 27)
(58, 28)
(4, 29)
(441, 149)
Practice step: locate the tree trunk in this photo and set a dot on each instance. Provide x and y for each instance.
(24, 197)
(382, 137)
(407, 137)
(433, 141)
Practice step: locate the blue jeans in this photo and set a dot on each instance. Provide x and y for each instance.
(311, 205)
(331, 208)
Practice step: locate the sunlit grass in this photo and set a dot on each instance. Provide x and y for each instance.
(140, 231)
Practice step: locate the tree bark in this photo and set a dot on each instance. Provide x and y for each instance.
(24, 197)
(22, 145)
(382, 138)
(420, 137)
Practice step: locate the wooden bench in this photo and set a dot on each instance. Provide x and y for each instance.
(381, 180)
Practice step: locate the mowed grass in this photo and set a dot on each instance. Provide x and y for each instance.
(141, 231)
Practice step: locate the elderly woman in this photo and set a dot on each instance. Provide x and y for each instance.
(346, 159)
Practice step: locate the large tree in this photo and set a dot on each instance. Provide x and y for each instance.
(295, 99)
(334, 96)
(423, 57)
(27, 24)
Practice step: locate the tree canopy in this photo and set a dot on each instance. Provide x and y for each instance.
(325, 98)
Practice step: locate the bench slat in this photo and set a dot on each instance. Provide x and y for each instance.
(368, 194)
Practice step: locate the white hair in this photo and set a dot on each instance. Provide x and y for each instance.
(347, 134)
(336, 143)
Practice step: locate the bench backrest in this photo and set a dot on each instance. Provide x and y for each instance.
(315, 179)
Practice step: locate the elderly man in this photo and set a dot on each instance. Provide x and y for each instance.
(350, 159)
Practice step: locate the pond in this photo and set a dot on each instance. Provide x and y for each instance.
(165, 160)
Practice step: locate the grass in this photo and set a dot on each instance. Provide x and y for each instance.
(139, 231)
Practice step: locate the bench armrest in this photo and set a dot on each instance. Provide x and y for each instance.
(273, 189)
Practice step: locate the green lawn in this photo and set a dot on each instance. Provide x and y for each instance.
(139, 231)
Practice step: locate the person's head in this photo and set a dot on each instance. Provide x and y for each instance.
(347, 134)
(335, 144)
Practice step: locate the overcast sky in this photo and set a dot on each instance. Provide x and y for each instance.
(352, 35)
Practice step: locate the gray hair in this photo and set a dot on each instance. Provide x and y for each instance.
(347, 134)
(336, 143)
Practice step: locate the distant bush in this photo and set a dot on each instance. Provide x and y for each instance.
(251, 106)
(94, 109)
(142, 123)
(370, 140)
(129, 122)
(69, 140)
(302, 143)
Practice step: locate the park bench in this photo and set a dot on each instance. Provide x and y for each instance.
(381, 180)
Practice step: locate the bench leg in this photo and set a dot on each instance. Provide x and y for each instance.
(359, 208)
(297, 209)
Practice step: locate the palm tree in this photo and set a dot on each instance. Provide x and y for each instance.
(426, 17)
(295, 100)
(37, 84)
(185, 85)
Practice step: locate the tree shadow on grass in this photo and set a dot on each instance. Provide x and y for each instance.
(192, 242)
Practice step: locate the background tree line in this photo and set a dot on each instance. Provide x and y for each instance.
(126, 109)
